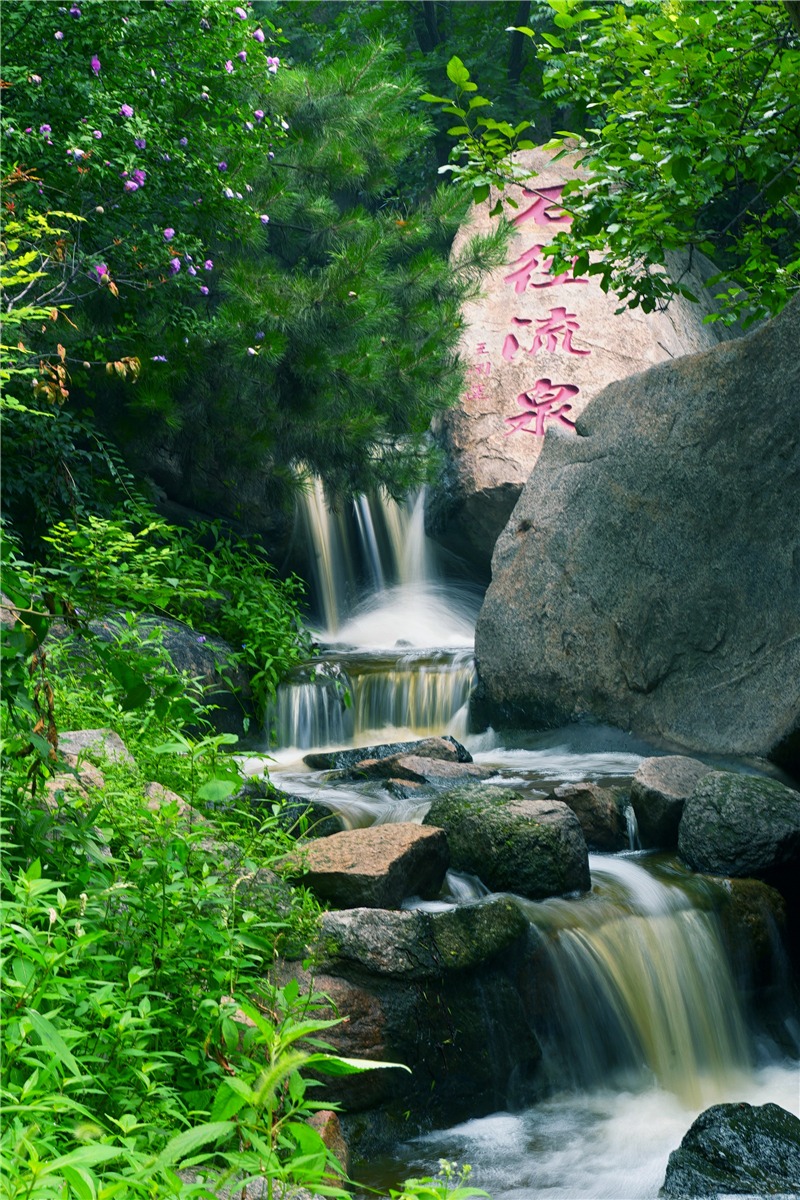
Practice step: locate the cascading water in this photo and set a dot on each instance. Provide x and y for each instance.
(397, 642)
(633, 998)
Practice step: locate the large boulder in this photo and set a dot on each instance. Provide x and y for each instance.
(415, 769)
(737, 1150)
(741, 825)
(533, 848)
(660, 788)
(650, 574)
(445, 748)
(539, 347)
(376, 867)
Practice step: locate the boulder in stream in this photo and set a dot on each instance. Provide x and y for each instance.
(600, 814)
(742, 825)
(737, 1149)
(445, 748)
(660, 788)
(414, 768)
(377, 867)
(533, 848)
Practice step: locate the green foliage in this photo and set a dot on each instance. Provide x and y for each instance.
(216, 583)
(450, 1183)
(120, 1030)
(688, 125)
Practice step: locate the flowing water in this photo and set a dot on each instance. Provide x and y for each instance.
(638, 1011)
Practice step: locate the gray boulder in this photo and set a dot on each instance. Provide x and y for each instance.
(416, 769)
(599, 812)
(100, 745)
(741, 825)
(643, 578)
(533, 848)
(445, 748)
(736, 1149)
(376, 867)
(660, 788)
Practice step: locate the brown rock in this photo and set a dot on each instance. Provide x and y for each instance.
(329, 1127)
(660, 788)
(376, 867)
(599, 814)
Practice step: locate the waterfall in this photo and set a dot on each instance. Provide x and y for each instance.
(397, 658)
(636, 977)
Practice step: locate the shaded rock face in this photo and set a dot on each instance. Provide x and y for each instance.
(437, 992)
(660, 788)
(533, 848)
(598, 812)
(643, 578)
(540, 348)
(737, 1149)
(376, 867)
(741, 825)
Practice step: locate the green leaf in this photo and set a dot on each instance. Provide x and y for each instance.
(456, 71)
(333, 1064)
(52, 1040)
(215, 790)
(189, 1142)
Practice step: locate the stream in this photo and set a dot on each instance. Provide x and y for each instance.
(641, 1025)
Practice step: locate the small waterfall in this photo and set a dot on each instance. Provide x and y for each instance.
(637, 978)
(398, 641)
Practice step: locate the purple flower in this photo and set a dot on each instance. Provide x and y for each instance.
(140, 143)
(241, 14)
(251, 350)
(95, 64)
(260, 335)
(75, 11)
(97, 134)
(203, 290)
(130, 186)
(258, 114)
(272, 64)
(229, 193)
(204, 24)
(45, 129)
(126, 111)
(174, 266)
(192, 270)
(264, 219)
(202, 638)
(77, 153)
(183, 142)
(165, 158)
(229, 67)
(35, 78)
(222, 166)
(139, 176)
(58, 36)
(208, 265)
(242, 56)
(271, 154)
(169, 234)
(159, 358)
(100, 269)
(204, 96)
(258, 34)
(249, 125)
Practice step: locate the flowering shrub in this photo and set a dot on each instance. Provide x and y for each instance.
(133, 111)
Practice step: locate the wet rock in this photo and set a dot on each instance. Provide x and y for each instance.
(375, 867)
(417, 769)
(99, 744)
(446, 748)
(419, 945)
(660, 788)
(741, 825)
(737, 1149)
(599, 813)
(533, 848)
(753, 920)
(643, 578)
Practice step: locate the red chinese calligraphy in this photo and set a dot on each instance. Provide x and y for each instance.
(531, 264)
(476, 379)
(544, 211)
(560, 324)
(539, 404)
